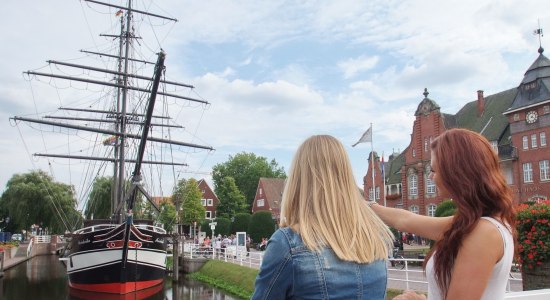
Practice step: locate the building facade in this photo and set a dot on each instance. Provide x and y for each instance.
(516, 122)
(269, 195)
(209, 200)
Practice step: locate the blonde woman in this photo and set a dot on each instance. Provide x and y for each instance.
(330, 244)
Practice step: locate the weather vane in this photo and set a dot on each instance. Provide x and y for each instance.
(538, 31)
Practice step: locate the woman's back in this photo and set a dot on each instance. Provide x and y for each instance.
(296, 272)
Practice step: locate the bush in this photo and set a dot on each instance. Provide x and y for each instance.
(445, 209)
(533, 228)
(223, 227)
(261, 225)
(241, 222)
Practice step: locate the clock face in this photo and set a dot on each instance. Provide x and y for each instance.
(531, 117)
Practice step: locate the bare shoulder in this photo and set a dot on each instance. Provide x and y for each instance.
(485, 237)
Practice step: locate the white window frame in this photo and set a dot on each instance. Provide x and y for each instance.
(414, 153)
(260, 191)
(414, 209)
(413, 185)
(209, 202)
(546, 109)
(494, 144)
(516, 117)
(430, 185)
(377, 191)
(260, 202)
(544, 167)
(542, 137)
(208, 214)
(528, 172)
(425, 144)
(525, 140)
(534, 140)
(431, 210)
(370, 194)
(203, 202)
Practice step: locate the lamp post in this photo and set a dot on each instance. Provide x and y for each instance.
(194, 231)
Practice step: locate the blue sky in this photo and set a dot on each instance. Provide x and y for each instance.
(276, 72)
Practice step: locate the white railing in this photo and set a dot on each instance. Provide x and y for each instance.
(233, 254)
(41, 239)
(529, 295)
(410, 276)
(29, 248)
(414, 278)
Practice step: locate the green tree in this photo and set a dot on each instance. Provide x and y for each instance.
(241, 222)
(445, 208)
(187, 193)
(167, 215)
(99, 201)
(246, 169)
(34, 198)
(261, 225)
(231, 199)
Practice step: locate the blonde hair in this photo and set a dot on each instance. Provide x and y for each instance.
(322, 199)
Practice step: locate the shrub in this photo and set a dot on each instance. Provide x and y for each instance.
(261, 225)
(533, 228)
(240, 223)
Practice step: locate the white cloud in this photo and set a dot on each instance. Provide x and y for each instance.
(277, 72)
(353, 66)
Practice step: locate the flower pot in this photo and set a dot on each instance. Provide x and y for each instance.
(536, 278)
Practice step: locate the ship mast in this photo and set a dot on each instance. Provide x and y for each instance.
(120, 115)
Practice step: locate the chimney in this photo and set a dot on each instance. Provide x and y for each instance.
(480, 103)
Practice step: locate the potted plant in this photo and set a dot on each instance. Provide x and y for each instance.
(533, 251)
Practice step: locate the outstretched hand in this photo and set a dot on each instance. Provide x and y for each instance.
(410, 295)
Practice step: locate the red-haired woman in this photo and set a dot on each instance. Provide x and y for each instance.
(474, 248)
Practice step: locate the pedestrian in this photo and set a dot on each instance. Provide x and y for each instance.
(330, 244)
(474, 248)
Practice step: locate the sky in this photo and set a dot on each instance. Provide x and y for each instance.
(277, 72)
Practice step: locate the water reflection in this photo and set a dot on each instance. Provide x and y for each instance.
(44, 277)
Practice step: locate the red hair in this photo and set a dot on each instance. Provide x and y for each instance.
(469, 170)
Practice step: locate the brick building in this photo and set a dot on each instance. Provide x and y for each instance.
(269, 194)
(209, 200)
(515, 121)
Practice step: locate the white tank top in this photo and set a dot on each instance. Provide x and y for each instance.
(496, 287)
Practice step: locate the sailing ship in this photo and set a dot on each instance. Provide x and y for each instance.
(121, 254)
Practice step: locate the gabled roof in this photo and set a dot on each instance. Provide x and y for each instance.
(492, 123)
(393, 169)
(535, 86)
(273, 190)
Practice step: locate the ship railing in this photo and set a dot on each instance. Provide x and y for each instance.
(95, 228)
(151, 228)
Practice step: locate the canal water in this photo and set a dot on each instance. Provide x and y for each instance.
(44, 278)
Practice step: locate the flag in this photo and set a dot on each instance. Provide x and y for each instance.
(118, 13)
(110, 141)
(382, 166)
(538, 31)
(366, 137)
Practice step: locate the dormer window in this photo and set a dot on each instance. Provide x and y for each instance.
(530, 86)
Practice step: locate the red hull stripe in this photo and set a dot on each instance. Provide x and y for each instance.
(118, 287)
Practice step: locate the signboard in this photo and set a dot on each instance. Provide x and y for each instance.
(241, 238)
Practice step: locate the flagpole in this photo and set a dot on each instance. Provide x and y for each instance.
(384, 179)
(372, 164)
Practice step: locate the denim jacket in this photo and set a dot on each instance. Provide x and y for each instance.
(291, 271)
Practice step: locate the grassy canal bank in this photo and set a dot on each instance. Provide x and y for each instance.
(239, 280)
